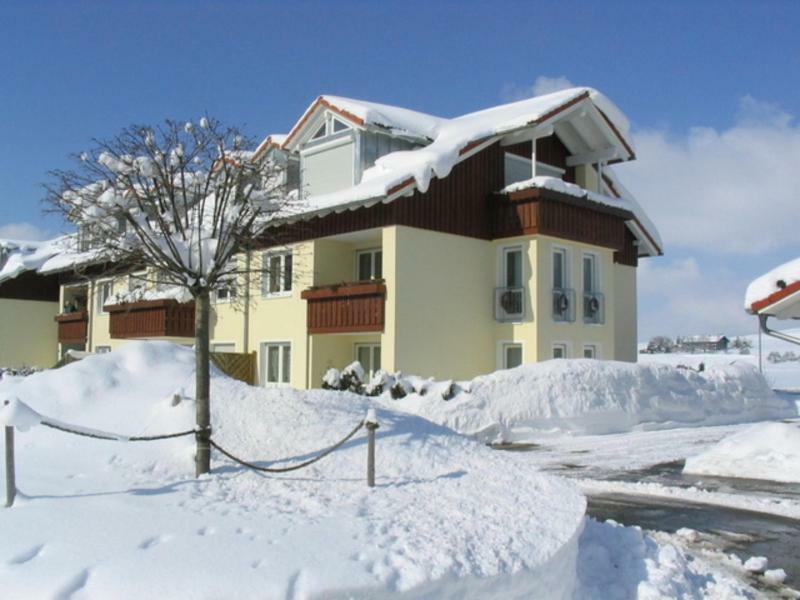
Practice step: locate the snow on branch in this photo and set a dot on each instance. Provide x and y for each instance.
(182, 198)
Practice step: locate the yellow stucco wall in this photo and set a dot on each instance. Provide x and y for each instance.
(577, 333)
(28, 333)
(337, 351)
(439, 306)
(625, 313)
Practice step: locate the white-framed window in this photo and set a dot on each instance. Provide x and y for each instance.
(162, 280)
(276, 363)
(511, 355)
(589, 351)
(227, 289)
(593, 302)
(337, 125)
(276, 274)
(329, 126)
(560, 269)
(102, 349)
(369, 264)
(559, 350)
(510, 295)
(590, 278)
(103, 293)
(369, 355)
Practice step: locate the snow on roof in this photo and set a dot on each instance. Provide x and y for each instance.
(779, 283)
(275, 140)
(452, 140)
(46, 257)
(702, 339)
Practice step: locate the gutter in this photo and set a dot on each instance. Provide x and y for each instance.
(762, 319)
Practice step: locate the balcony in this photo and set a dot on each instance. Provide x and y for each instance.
(563, 305)
(594, 308)
(151, 318)
(509, 304)
(346, 308)
(72, 327)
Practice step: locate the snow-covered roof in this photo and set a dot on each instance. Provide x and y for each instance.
(45, 257)
(777, 292)
(703, 339)
(453, 140)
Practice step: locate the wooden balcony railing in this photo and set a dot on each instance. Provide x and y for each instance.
(72, 327)
(346, 308)
(151, 318)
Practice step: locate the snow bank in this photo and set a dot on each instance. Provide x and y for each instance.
(449, 518)
(597, 397)
(762, 287)
(618, 562)
(765, 451)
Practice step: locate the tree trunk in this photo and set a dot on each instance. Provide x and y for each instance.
(202, 383)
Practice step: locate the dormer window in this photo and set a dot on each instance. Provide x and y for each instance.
(320, 133)
(329, 127)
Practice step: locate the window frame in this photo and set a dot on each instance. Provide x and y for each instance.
(371, 347)
(100, 302)
(372, 252)
(266, 276)
(564, 252)
(594, 349)
(595, 280)
(102, 349)
(264, 363)
(505, 347)
(564, 346)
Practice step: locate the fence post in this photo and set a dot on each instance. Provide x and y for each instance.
(371, 423)
(11, 484)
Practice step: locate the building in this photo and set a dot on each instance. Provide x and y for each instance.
(439, 247)
(703, 343)
(776, 294)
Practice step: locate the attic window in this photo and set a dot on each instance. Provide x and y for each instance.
(338, 126)
(320, 133)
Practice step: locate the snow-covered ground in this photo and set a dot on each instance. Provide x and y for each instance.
(764, 451)
(449, 518)
(102, 519)
(782, 376)
(598, 397)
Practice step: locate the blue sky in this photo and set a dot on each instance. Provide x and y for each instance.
(694, 78)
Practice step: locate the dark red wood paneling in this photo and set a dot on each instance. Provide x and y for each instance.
(346, 308)
(154, 318)
(72, 327)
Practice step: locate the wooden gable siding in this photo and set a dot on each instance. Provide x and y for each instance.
(457, 204)
(31, 286)
(466, 203)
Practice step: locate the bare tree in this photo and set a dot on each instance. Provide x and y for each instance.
(182, 199)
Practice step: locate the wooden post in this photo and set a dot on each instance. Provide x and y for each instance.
(371, 423)
(11, 484)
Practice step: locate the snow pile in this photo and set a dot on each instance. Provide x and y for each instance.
(778, 278)
(449, 518)
(765, 451)
(597, 397)
(617, 562)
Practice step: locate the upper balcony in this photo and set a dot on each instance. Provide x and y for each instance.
(72, 327)
(151, 319)
(346, 307)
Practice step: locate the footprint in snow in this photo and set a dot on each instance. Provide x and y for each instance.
(26, 556)
(206, 531)
(73, 585)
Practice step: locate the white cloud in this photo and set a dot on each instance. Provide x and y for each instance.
(542, 85)
(22, 231)
(689, 296)
(734, 191)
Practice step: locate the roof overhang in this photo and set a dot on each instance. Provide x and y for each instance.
(782, 304)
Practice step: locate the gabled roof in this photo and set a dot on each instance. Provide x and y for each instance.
(450, 141)
(776, 293)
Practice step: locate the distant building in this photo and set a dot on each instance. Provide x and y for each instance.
(703, 343)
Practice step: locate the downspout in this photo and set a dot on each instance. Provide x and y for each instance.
(90, 305)
(246, 332)
(762, 319)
